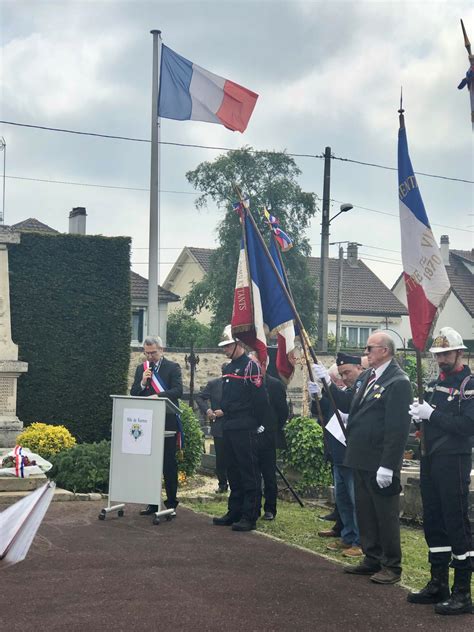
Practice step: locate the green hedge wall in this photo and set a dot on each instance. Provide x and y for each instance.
(70, 306)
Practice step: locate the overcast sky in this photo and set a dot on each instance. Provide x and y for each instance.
(328, 74)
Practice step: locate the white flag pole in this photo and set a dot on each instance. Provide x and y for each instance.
(153, 327)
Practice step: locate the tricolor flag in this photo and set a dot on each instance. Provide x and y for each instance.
(189, 92)
(286, 334)
(426, 281)
(285, 242)
(260, 303)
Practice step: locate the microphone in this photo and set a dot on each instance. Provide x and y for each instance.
(150, 366)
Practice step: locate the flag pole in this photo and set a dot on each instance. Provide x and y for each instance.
(302, 338)
(467, 45)
(153, 325)
(292, 305)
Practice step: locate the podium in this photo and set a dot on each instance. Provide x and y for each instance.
(136, 453)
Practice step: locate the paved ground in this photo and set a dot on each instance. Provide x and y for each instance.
(126, 574)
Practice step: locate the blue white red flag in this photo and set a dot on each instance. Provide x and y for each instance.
(260, 304)
(426, 281)
(285, 359)
(189, 92)
(284, 241)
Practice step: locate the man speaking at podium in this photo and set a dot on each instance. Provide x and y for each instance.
(168, 384)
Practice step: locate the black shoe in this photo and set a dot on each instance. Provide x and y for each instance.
(244, 525)
(268, 516)
(458, 603)
(331, 516)
(221, 490)
(362, 569)
(436, 590)
(225, 521)
(149, 509)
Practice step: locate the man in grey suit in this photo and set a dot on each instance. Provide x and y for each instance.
(377, 431)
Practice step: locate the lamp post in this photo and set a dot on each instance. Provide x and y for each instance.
(3, 147)
(324, 270)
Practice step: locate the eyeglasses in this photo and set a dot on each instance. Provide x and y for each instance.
(370, 347)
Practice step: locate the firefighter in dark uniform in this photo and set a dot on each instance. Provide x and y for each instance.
(448, 425)
(244, 402)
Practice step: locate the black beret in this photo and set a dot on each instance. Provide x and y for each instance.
(345, 358)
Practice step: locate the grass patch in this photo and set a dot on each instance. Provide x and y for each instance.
(296, 525)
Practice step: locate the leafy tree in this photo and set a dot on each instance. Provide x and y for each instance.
(266, 177)
(183, 329)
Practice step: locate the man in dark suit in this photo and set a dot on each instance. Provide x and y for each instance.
(209, 402)
(273, 422)
(169, 374)
(377, 431)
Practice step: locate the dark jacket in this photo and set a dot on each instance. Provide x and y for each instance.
(451, 425)
(170, 373)
(244, 396)
(277, 412)
(378, 425)
(210, 397)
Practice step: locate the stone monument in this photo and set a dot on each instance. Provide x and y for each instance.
(10, 367)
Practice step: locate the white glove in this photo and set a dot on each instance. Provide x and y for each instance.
(314, 389)
(260, 429)
(384, 477)
(420, 411)
(321, 372)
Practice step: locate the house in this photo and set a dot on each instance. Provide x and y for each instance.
(190, 267)
(367, 304)
(138, 284)
(458, 311)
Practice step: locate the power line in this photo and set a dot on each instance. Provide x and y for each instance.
(106, 186)
(216, 148)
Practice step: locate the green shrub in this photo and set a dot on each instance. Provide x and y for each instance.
(305, 453)
(45, 439)
(83, 468)
(192, 441)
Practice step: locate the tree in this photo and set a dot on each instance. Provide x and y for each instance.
(183, 329)
(267, 178)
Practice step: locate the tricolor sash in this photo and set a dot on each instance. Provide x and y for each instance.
(159, 386)
(19, 468)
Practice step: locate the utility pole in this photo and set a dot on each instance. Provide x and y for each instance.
(324, 273)
(3, 147)
(339, 299)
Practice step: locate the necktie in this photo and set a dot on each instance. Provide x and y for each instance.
(371, 382)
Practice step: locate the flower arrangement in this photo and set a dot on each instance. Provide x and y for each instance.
(46, 439)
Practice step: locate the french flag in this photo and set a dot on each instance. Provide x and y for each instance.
(426, 281)
(260, 304)
(189, 92)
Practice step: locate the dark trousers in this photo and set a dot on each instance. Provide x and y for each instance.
(221, 467)
(444, 482)
(379, 524)
(170, 472)
(241, 455)
(267, 464)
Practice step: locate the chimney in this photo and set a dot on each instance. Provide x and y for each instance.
(352, 254)
(444, 245)
(77, 221)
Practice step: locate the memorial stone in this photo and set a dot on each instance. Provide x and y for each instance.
(10, 367)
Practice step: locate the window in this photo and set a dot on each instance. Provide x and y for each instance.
(356, 336)
(137, 325)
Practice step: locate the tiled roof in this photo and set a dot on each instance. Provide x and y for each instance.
(468, 255)
(461, 278)
(35, 226)
(362, 291)
(203, 257)
(139, 290)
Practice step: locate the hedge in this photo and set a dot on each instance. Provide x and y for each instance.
(70, 306)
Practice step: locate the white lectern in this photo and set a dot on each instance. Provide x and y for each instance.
(136, 453)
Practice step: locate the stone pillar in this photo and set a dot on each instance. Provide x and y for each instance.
(10, 367)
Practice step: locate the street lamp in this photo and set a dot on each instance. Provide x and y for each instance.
(324, 271)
